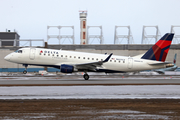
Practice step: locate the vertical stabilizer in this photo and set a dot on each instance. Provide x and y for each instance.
(174, 61)
(160, 50)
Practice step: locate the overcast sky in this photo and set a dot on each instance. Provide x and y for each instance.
(31, 17)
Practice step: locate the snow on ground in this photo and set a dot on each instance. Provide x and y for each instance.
(90, 73)
(91, 92)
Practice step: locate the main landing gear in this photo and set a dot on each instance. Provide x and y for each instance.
(25, 71)
(86, 76)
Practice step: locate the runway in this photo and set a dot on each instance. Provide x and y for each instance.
(63, 80)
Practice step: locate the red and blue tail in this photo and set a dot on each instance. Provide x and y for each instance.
(160, 50)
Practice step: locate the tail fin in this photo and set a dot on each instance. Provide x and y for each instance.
(160, 50)
(174, 62)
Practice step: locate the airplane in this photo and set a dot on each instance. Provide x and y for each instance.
(171, 68)
(70, 61)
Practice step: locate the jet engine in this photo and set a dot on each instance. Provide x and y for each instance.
(66, 68)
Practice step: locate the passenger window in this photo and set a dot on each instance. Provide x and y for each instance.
(74, 56)
(79, 57)
(96, 58)
(83, 57)
(92, 58)
(61, 55)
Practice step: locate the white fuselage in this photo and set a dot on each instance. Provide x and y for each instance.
(52, 58)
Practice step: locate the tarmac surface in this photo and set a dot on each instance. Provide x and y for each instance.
(63, 80)
(24, 86)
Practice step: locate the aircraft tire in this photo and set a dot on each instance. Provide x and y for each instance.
(86, 77)
(24, 72)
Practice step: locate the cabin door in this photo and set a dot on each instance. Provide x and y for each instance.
(32, 53)
(130, 63)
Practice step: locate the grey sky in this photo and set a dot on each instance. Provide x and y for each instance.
(31, 17)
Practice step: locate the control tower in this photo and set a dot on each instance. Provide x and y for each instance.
(83, 33)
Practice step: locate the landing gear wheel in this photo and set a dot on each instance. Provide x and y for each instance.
(24, 71)
(86, 77)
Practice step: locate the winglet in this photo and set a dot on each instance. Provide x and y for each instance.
(107, 59)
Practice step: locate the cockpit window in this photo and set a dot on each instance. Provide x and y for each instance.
(18, 51)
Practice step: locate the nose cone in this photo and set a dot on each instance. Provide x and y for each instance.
(7, 57)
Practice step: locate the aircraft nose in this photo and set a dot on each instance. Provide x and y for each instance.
(7, 57)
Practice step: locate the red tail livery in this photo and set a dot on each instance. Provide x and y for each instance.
(160, 50)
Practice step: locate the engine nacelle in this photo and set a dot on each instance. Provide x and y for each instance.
(66, 68)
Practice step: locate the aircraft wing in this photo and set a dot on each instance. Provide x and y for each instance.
(92, 66)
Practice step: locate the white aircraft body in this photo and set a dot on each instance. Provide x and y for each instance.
(68, 61)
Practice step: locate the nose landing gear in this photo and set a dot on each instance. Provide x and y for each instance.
(25, 71)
